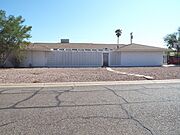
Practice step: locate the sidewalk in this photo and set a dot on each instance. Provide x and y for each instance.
(61, 84)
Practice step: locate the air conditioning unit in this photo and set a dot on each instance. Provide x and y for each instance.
(64, 40)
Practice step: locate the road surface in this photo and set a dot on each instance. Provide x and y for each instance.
(142, 109)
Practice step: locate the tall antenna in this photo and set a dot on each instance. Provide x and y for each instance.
(131, 37)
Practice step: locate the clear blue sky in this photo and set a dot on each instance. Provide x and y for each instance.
(94, 21)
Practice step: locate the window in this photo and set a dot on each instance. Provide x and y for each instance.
(100, 50)
(61, 49)
(80, 49)
(87, 49)
(74, 49)
(94, 50)
(68, 49)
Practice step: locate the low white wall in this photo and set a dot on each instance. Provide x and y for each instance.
(73, 59)
(141, 58)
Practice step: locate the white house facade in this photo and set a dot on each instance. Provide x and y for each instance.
(91, 55)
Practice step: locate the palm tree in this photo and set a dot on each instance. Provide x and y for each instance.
(173, 40)
(118, 34)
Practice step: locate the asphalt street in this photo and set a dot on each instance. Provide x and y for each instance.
(128, 109)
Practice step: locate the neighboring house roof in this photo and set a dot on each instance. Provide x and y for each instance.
(139, 47)
(116, 47)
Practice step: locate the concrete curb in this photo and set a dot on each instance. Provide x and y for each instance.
(100, 83)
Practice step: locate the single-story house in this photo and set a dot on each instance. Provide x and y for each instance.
(91, 55)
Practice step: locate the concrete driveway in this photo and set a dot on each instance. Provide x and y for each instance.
(136, 109)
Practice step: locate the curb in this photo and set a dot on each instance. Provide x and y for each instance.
(100, 83)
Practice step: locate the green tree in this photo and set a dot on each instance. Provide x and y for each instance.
(173, 40)
(13, 37)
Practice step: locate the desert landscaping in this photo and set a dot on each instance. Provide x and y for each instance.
(42, 75)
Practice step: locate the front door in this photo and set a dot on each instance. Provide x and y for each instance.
(105, 59)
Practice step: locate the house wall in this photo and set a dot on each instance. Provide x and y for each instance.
(115, 58)
(38, 59)
(91, 59)
(27, 60)
(34, 59)
(141, 58)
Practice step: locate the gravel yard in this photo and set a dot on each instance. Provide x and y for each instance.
(158, 73)
(41, 75)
